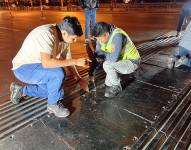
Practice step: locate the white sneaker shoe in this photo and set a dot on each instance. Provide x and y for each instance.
(182, 61)
(58, 110)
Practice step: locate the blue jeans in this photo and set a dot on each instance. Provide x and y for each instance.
(90, 17)
(183, 52)
(185, 12)
(41, 82)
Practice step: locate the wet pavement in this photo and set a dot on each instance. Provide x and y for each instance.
(147, 102)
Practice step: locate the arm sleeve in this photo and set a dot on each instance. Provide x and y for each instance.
(98, 50)
(117, 45)
(45, 42)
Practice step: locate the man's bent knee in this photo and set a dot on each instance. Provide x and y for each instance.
(107, 64)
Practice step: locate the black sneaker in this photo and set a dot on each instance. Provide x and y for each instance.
(16, 94)
(58, 110)
(113, 91)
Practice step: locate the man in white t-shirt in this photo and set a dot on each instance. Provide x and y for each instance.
(182, 56)
(40, 61)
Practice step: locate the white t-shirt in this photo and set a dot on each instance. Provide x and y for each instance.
(186, 39)
(40, 39)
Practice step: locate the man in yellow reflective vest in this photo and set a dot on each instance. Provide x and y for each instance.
(119, 54)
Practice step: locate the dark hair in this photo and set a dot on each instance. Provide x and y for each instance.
(100, 28)
(71, 25)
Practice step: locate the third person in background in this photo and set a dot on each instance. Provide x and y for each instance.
(90, 8)
(185, 12)
(182, 56)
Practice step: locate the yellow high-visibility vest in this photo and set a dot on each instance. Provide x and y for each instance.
(129, 51)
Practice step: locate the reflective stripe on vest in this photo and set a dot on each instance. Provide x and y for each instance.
(129, 51)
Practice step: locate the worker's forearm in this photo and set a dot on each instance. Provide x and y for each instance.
(53, 63)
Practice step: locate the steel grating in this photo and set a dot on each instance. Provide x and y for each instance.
(103, 124)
